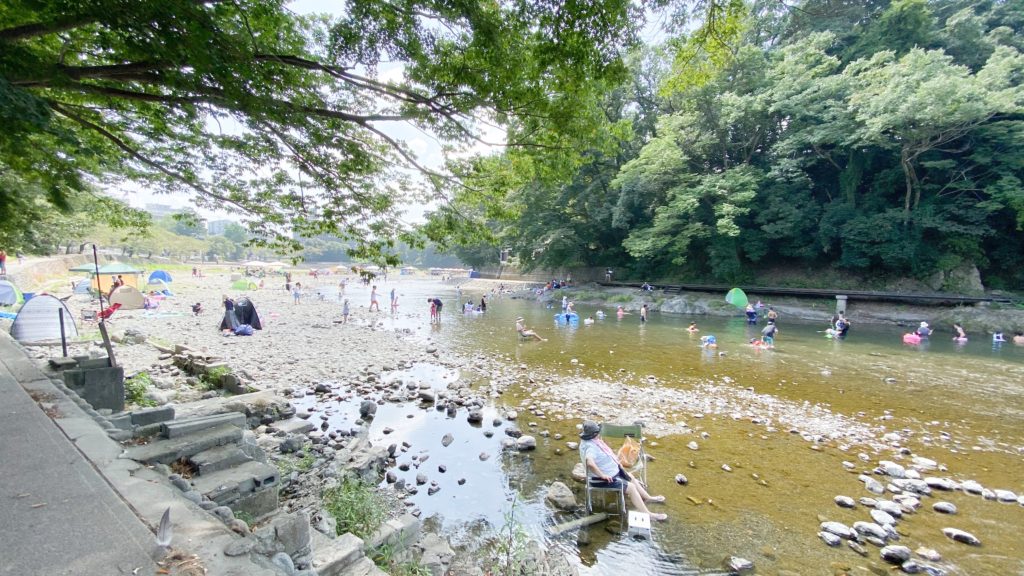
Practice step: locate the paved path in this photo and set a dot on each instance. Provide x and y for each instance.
(58, 515)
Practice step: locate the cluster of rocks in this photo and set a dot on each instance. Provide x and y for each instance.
(908, 487)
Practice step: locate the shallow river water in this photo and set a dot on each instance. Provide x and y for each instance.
(766, 414)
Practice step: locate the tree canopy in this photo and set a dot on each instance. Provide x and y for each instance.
(876, 139)
(248, 106)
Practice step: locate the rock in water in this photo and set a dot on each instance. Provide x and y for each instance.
(839, 529)
(739, 565)
(367, 408)
(895, 554)
(882, 518)
(961, 536)
(681, 480)
(561, 497)
(870, 529)
(447, 440)
(830, 539)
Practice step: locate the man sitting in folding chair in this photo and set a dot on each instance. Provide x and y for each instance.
(605, 472)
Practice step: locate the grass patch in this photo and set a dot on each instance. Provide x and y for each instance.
(620, 298)
(385, 558)
(135, 389)
(288, 464)
(211, 379)
(357, 506)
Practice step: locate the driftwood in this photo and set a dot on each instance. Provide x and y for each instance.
(577, 523)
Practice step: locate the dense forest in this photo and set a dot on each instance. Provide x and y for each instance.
(868, 137)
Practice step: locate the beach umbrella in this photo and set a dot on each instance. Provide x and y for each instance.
(737, 298)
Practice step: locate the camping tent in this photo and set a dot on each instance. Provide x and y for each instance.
(244, 284)
(87, 267)
(159, 285)
(82, 287)
(129, 297)
(9, 294)
(39, 319)
(111, 271)
(245, 312)
(160, 275)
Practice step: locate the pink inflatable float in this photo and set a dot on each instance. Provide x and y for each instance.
(911, 338)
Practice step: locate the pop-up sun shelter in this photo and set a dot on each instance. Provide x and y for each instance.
(9, 294)
(245, 312)
(160, 275)
(103, 282)
(39, 319)
(129, 297)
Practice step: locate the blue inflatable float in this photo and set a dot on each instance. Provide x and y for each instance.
(570, 319)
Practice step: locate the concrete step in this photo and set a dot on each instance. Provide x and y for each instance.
(294, 426)
(338, 556)
(227, 486)
(220, 458)
(364, 567)
(186, 426)
(167, 451)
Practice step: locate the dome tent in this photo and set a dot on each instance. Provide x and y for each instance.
(160, 275)
(39, 319)
(128, 297)
(9, 294)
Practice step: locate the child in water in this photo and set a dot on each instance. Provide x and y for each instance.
(709, 341)
(693, 328)
(958, 333)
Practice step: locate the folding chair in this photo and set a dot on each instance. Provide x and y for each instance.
(636, 432)
(617, 431)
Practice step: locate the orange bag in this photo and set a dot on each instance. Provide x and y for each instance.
(629, 454)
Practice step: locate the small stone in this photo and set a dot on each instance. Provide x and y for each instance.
(447, 440)
(961, 536)
(681, 480)
(895, 554)
(845, 502)
(944, 507)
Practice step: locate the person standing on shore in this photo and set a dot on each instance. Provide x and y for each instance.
(3, 262)
(373, 299)
(297, 292)
(344, 311)
(394, 301)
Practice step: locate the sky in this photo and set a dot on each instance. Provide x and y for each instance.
(426, 147)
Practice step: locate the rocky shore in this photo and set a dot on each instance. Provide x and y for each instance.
(338, 374)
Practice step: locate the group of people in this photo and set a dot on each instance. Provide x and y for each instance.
(960, 335)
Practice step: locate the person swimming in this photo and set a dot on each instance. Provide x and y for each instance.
(693, 328)
(709, 341)
(959, 333)
(998, 337)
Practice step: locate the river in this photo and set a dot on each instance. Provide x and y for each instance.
(784, 421)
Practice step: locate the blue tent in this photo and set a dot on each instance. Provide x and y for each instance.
(159, 275)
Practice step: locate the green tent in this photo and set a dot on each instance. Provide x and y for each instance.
(243, 284)
(737, 298)
(83, 268)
